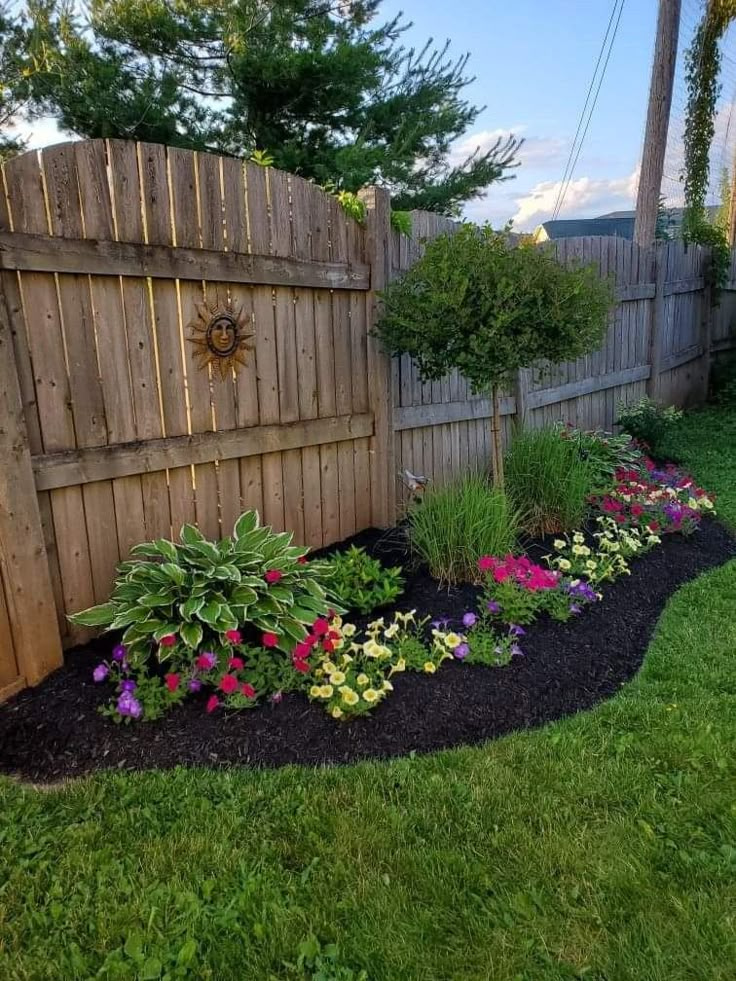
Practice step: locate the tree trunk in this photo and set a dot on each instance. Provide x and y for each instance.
(496, 443)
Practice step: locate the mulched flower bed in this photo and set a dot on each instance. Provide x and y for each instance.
(54, 731)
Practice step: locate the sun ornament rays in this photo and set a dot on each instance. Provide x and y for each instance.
(220, 337)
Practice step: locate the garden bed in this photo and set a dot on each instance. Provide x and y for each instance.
(55, 730)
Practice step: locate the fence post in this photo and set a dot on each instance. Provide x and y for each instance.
(706, 329)
(380, 391)
(23, 562)
(656, 336)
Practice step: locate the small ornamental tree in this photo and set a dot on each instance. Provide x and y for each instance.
(479, 303)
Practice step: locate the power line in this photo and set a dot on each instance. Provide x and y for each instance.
(577, 145)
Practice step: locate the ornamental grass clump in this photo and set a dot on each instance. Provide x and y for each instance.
(548, 481)
(452, 525)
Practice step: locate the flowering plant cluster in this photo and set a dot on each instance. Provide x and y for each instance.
(656, 500)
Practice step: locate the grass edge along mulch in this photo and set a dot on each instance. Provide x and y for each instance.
(602, 846)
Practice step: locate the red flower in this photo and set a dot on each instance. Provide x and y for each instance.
(273, 575)
(228, 683)
(301, 666)
(172, 681)
(248, 690)
(269, 640)
(302, 650)
(236, 663)
(168, 641)
(327, 645)
(320, 626)
(302, 560)
(212, 703)
(620, 518)
(486, 563)
(636, 510)
(653, 526)
(234, 636)
(311, 640)
(206, 662)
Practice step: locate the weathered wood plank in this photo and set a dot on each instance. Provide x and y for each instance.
(682, 357)
(74, 467)
(550, 396)
(441, 413)
(45, 253)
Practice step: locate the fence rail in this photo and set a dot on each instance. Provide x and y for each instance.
(115, 256)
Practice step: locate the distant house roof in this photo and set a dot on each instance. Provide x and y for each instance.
(617, 223)
(621, 227)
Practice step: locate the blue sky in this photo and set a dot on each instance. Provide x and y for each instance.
(533, 61)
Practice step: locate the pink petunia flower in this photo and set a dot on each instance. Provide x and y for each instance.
(273, 576)
(212, 702)
(233, 636)
(172, 681)
(269, 640)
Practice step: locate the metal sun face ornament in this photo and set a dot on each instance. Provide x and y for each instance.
(220, 338)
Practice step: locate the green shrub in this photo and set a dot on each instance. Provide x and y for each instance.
(452, 526)
(547, 480)
(177, 599)
(648, 422)
(360, 582)
(604, 452)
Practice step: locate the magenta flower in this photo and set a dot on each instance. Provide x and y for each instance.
(118, 652)
(206, 661)
(100, 672)
(194, 684)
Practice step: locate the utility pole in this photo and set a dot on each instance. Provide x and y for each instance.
(658, 118)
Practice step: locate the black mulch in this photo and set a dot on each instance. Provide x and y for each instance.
(54, 731)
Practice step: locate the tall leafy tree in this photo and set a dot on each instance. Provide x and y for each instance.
(14, 70)
(321, 85)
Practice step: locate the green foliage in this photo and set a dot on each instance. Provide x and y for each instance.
(352, 205)
(477, 302)
(401, 222)
(490, 648)
(634, 799)
(327, 89)
(360, 582)
(702, 71)
(15, 70)
(603, 452)
(648, 422)
(723, 382)
(548, 480)
(453, 525)
(195, 591)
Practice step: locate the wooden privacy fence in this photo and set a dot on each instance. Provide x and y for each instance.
(183, 336)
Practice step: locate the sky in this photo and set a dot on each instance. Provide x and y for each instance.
(533, 61)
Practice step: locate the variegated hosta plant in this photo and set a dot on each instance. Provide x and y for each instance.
(195, 594)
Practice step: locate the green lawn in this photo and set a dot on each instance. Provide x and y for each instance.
(601, 847)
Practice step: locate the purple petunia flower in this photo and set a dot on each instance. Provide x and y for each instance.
(461, 651)
(575, 608)
(515, 630)
(493, 606)
(100, 672)
(118, 652)
(276, 697)
(516, 651)
(470, 620)
(582, 590)
(194, 684)
(440, 624)
(129, 706)
(128, 685)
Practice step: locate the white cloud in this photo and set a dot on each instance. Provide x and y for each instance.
(38, 132)
(585, 198)
(536, 151)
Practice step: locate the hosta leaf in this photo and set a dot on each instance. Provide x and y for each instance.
(247, 522)
(266, 624)
(292, 629)
(227, 572)
(210, 613)
(152, 600)
(303, 614)
(267, 604)
(191, 634)
(174, 572)
(95, 616)
(128, 615)
(191, 607)
(282, 594)
(191, 535)
(208, 551)
(164, 630)
(243, 596)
